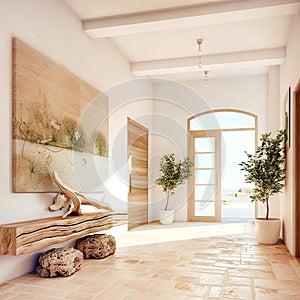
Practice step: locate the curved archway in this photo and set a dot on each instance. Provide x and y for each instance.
(212, 119)
(218, 140)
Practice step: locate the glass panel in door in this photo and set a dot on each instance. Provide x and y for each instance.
(205, 202)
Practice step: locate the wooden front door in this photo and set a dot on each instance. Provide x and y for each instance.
(138, 174)
(205, 200)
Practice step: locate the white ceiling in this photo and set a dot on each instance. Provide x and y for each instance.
(93, 9)
(240, 37)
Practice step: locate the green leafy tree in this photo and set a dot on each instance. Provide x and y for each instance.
(173, 174)
(266, 169)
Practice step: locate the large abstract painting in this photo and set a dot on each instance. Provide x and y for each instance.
(60, 123)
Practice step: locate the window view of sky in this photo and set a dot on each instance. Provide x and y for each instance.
(235, 192)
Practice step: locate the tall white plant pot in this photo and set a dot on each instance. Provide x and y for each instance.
(166, 216)
(267, 231)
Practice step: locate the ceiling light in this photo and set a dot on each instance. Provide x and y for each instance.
(200, 42)
(200, 64)
(206, 77)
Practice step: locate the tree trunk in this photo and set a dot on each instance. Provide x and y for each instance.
(267, 204)
(168, 197)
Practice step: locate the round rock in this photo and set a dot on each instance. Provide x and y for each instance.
(59, 262)
(97, 245)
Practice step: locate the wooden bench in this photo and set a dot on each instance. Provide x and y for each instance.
(24, 237)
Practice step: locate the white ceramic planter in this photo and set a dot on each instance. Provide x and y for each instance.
(166, 216)
(267, 231)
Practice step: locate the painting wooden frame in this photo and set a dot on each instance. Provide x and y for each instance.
(60, 123)
(287, 105)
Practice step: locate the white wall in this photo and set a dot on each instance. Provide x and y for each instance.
(273, 125)
(49, 27)
(133, 99)
(290, 76)
(175, 103)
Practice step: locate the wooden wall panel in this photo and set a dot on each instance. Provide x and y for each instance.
(138, 177)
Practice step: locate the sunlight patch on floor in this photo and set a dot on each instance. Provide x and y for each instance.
(178, 231)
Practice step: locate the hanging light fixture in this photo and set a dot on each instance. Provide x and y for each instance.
(200, 65)
(206, 77)
(200, 42)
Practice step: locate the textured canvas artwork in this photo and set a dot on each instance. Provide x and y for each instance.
(60, 123)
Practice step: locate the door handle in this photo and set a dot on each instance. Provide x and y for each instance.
(129, 183)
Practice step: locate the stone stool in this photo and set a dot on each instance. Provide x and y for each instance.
(97, 245)
(59, 262)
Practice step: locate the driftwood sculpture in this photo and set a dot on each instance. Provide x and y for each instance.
(68, 196)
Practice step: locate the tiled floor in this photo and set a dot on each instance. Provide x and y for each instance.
(177, 262)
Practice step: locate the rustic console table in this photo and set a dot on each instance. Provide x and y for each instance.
(24, 237)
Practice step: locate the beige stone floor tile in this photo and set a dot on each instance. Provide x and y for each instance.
(284, 271)
(211, 279)
(215, 292)
(35, 297)
(133, 284)
(266, 294)
(262, 267)
(255, 262)
(8, 295)
(238, 292)
(209, 269)
(74, 280)
(192, 289)
(283, 286)
(226, 264)
(164, 274)
(240, 280)
(47, 282)
(35, 291)
(109, 296)
(100, 282)
(89, 290)
(295, 264)
(8, 287)
(154, 296)
(116, 292)
(284, 297)
(162, 285)
(205, 262)
(160, 269)
(239, 272)
(80, 296)
(99, 264)
(147, 263)
(187, 278)
(112, 274)
(88, 273)
(22, 279)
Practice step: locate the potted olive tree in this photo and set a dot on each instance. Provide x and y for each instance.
(172, 175)
(266, 169)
